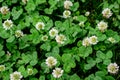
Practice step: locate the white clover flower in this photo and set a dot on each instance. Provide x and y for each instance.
(107, 13)
(66, 14)
(30, 71)
(40, 25)
(93, 40)
(81, 24)
(16, 76)
(111, 39)
(45, 38)
(67, 4)
(53, 32)
(113, 68)
(75, 17)
(57, 72)
(102, 26)
(4, 10)
(8, 24)
(2, 67)
(51, 61)
(8, 53)
(19, 33)
(86, 42)
(60, 39)
(24, 1)
(87, 13)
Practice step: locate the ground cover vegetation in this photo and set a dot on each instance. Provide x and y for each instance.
(59, 39)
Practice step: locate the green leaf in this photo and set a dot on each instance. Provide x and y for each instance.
(33, 78)
(107, 61)
(4, 34)
(26, 58)
(45, 67)
(83, 1)
(91, 63)
(16, 13)
(100, 73)
(101, 37)
(49, 24)
(34, 55)
(2, 53)
(46, 46)
(105, 4)
(76, 57)
(15, 55)
(55, 50)
(90, 77)
(81, 18)
(7, 16)
(98, 60)
(109, 78)
(85, 51)
(118, 1)
(98, 78)
(48, 11)
(52, 3)
(11, 39)
(1, 47)
(87, 67)
(74, 77)
(5, 75)
(33, 62)
(42, 78)
(23, 71)
(100, 54)
(75, 6)
(109, 55)
(67, 68)
(58, 24)
(72, 63)
(66, 57)
(30, 6)
(1, 0)
(23, 45)
(40, 2)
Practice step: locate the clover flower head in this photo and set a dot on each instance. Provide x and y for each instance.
(2, 67)
(113, 68)
(60, 39)
(53, 32)
(16, 76)
(107, 13)
(87, 13)
(51, 61)
(86, 42)
(81, 24)
(57, 72)
(8, 24)
(67, 4)
(66, 14)
(111, 39)
(24, 1)
(4, 9)
(45, 38)
(93, 40)
(75, 17)
(30, 71)
(102, 26)
(19, 33)
(40, 25)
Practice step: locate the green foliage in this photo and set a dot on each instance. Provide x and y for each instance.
(79, 59)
